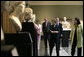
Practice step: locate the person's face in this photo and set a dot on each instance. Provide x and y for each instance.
(57, 19)
(53, 22)
(75, 21)
(46, 19)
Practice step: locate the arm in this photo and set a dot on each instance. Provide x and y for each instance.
(61, 32)
(43, 27)
(35, 25)
(54, 31)
(71, 33)
(51, 30)
(82, 30)
(40, 28)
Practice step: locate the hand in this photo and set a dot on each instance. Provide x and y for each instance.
(61, 35)
(56, 32)
(38, 33)
(51, 31)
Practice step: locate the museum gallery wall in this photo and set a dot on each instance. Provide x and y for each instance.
(51, 11)
(42, 11)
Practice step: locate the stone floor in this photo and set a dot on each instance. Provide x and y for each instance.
(64, 51)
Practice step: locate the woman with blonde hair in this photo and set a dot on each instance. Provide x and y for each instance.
(39, 30)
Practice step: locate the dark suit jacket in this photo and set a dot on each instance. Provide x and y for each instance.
(46, 29)
(60, 29)
(57, 28)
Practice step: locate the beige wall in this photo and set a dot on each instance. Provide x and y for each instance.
(41, 11)
(51, 11)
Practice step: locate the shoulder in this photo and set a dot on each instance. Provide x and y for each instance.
(80, 25)
(48, 22)
(72, 26)
(43, 22)
(60, 23)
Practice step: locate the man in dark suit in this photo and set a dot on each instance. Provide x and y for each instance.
(46, 31)
(59, 25)
(56, 32)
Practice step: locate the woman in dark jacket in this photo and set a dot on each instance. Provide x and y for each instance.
(54, 39)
